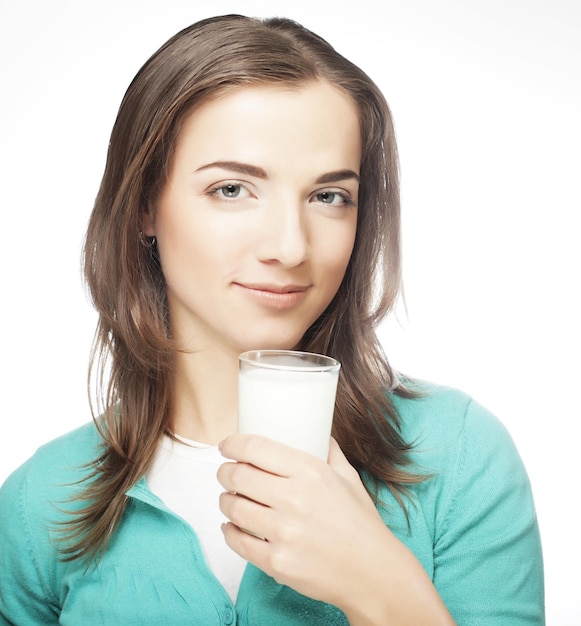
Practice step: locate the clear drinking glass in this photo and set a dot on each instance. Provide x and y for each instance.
(288, 396)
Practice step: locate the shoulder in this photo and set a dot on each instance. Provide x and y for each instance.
(52, 474)
(34, 500)
(469, 454)
(465, 449)
(440, 421)
(478, 505)
(435, 406)
(70, 450)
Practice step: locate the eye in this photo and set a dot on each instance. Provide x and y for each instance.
(334, 198)
(230, 191)
(327, 197)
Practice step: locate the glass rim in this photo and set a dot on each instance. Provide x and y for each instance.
(310, 361)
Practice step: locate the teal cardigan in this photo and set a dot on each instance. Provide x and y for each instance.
(472, 526)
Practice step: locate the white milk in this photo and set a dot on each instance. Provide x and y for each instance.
(293, 407)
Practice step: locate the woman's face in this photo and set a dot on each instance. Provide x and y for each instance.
(256, 223)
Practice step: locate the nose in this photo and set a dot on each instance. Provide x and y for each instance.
(284, 236)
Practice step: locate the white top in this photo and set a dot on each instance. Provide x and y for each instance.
(183, 476)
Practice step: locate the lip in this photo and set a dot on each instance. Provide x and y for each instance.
(273, 295)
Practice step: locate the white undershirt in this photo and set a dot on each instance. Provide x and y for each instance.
(183, 476)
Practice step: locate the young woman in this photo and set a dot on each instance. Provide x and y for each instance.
(250, 200)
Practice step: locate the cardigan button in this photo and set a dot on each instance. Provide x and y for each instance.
(228, 616)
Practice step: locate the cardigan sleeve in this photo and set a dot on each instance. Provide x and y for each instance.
(487, 552)
(24, 596)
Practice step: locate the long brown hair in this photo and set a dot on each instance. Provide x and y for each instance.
(133, 353)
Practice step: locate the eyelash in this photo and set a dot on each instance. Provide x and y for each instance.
(346, 200)
(213, 191)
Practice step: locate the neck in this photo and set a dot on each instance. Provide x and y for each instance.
(205, 395)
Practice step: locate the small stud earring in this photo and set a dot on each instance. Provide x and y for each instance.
(148, 242)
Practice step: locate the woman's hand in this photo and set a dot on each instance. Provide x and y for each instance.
(312, 526)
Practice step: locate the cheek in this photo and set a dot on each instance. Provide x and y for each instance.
(334, 256)
(184, 255)
(202, 253)
(340, 245)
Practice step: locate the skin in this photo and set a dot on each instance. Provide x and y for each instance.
(318, 520)
(255, 229)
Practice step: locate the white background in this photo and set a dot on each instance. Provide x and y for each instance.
(486, 99)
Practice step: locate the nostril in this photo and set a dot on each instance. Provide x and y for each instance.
(286, 243)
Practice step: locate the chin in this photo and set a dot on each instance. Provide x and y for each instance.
(269, 337)
(268, 343)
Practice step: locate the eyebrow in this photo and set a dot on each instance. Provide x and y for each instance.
(339, 175)
(259, 172)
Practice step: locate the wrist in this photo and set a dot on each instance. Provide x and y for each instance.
(393, 589)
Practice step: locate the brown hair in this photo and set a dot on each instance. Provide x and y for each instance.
(133, 353)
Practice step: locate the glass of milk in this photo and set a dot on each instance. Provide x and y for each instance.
(288, 396)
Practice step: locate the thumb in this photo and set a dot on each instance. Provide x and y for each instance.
(338, 461)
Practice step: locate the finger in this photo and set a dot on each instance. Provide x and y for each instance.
(267, 454)
(250, 516)
(250, 547)
(250, 481)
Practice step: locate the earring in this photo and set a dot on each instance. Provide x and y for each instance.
(148, 242)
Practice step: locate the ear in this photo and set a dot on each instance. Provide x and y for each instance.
(148, 222)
